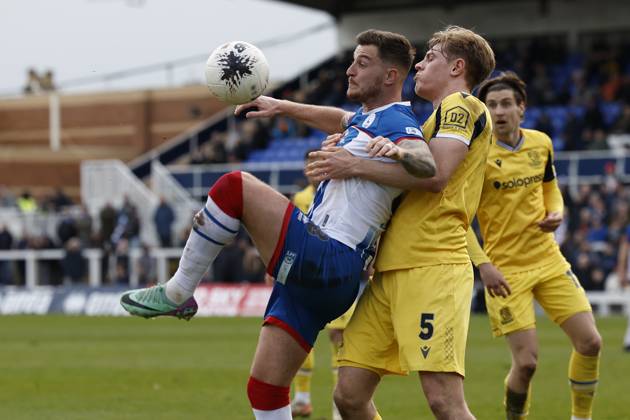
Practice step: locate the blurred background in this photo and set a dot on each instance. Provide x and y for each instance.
(109, 139)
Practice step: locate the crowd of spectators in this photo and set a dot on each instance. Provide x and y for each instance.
(597, 218)
(115, 231)
(578, 96)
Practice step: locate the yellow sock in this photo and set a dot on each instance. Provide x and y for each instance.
(583, 377)
(302, 381)
(378, 416)
(516, 404)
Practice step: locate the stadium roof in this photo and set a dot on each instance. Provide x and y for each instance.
(342, 7)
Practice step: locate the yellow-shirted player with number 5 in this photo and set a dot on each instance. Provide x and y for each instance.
(520, 207)
(414, 314)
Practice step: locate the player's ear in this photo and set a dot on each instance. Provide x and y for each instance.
(521, 110)
(392, 76)
(457, 67)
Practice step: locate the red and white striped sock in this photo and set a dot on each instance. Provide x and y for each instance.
(269, 402)
(221, 214)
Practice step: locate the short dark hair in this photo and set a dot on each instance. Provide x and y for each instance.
(392, 48)
(506, 80)
(458, 42)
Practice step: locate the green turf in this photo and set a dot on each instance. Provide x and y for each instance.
(65, 368)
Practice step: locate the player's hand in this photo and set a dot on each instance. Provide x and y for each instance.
(331, 141)
(267, 107)
(382, 146)
(493, 281)
(551, 222)
(334, 163)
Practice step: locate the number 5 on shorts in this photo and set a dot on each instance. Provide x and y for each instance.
(426, 326)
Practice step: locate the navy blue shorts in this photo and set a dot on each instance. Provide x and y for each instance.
(317, 278)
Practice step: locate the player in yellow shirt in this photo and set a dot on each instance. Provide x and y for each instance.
(414, 315)
(301, 402)
(521, 205)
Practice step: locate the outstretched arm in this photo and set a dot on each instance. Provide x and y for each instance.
(325, 118)
(334, 163)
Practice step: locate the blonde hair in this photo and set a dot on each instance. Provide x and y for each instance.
(458, 42)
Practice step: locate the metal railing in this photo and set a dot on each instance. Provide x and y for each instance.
(94, 257)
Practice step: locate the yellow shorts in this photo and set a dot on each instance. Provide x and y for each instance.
(411, 320)
(554, 287)
(342, 322)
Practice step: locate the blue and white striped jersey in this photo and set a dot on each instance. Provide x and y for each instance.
(355, 211)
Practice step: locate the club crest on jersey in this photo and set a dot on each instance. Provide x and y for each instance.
(506, 315)
(498, 162)
(456, 117)
(413, 130)
(534, 158)
(368, 121)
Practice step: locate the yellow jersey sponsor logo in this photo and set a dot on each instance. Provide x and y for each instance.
(518, 182)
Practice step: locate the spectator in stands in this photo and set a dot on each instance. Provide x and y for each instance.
(33, 81)
(60, 200)
(228, 266)
(283, 127)
(593, 117)
(84, 227)
(572, 133)
(26, 203)
(6, 243)
(7, 199)
(67, 228)
(597, 140)
(127, 224)
(544, 124)
(73, 263)
(622, 123)
(261, 136)
(47, 82)
(121, 257)
(107, 217)
(163, 217)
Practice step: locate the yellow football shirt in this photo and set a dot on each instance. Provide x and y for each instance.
(430, 228)
(512, 204)
(303, 198)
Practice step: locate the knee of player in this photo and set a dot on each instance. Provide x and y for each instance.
(526, 363)
(346, 400)
(528, 369)
(590, 345)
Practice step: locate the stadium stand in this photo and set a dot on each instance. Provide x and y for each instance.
(580, 95)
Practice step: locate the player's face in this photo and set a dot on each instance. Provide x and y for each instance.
(432, 74)
(506, 113)
(366, 74)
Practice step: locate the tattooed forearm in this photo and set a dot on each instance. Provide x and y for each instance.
(417, 159)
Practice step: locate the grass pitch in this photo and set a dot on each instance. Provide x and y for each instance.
(61, 367)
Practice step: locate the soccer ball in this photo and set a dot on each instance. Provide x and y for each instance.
(237, 72)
